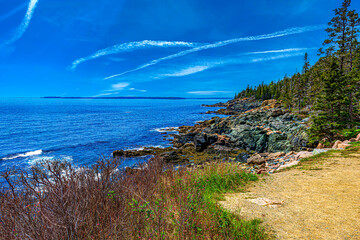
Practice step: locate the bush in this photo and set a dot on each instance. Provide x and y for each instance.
(57, 201)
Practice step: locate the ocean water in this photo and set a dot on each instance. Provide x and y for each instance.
(82, 131)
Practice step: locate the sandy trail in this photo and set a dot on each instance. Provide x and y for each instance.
(321, 199)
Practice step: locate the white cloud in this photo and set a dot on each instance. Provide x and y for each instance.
(132, 46)
(280, 51)
(119, 86)
(106, 94)
(286, 32)
(207, 92)
(186, 71)
(206, 65)
(134, 89)
(276, 57)
(25, 23)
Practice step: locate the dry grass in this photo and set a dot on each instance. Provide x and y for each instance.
(321, 198)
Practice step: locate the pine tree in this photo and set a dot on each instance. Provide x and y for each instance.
(338, 33)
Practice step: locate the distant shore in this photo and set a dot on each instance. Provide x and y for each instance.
(161, 98)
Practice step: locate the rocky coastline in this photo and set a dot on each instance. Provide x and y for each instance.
(252, 128)
(261, 136)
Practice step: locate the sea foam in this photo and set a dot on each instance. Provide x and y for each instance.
(22, 155)
(165, 129)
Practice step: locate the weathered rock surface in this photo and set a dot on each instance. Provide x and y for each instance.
(256, 159)
(267, 128)
(261, 126)
(358, 137)
(341, 145)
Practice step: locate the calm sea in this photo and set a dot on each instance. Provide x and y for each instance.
(81, 131)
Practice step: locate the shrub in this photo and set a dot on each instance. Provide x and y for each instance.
(58, 201)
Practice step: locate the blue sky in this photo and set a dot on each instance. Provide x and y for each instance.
(184, 48)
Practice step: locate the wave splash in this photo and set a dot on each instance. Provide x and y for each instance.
(165, 129)
(21, 155)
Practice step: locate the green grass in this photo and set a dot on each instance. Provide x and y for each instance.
(224, 179)
(212, 182)
(311, 163)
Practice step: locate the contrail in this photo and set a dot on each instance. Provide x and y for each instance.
(286, 32)
(25, 23)
(132, 46)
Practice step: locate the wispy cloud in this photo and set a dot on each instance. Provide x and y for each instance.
(132, 46)
(209, 64)
(119, 86)
(187, 71)
(25, 23)
(138, 90)
(276, 57)
(106, 94)
(286, 32)
(280, 51)
(207, 92)
(12, 12)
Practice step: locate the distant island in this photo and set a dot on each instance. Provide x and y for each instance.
(166, 98)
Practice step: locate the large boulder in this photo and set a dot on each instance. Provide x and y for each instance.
(358, 137)
(336, 144)
(203, 140)
(302, 155)
(256, 159)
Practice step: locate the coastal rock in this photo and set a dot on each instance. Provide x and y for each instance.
(203, 140)
(288, 165)
(302, 155)
(242, 157)
(256, 159)
(320, 146)
(358, 137)
(278, 143)
(276, 155)
(264, 127)
(336, 144)
(343, 145)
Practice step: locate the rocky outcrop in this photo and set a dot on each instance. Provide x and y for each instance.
(267, 128)
(262, 127)
(235, 106)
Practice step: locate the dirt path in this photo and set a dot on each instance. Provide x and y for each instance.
(320, 199)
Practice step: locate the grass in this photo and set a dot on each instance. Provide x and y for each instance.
(57, 201)
(315, 162)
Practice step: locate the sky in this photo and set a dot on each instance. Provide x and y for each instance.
(177, 48)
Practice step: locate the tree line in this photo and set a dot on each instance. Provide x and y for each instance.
(330, 89)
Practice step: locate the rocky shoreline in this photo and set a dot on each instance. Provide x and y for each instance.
(261, 136)
(252, 135)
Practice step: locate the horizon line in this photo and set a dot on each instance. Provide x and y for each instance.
(168, 98)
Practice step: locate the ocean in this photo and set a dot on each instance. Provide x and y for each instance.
(84, 130)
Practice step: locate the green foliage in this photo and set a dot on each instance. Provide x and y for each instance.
(350, 133)
(330, 89)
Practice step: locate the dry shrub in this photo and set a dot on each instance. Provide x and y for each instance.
(57, 201)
